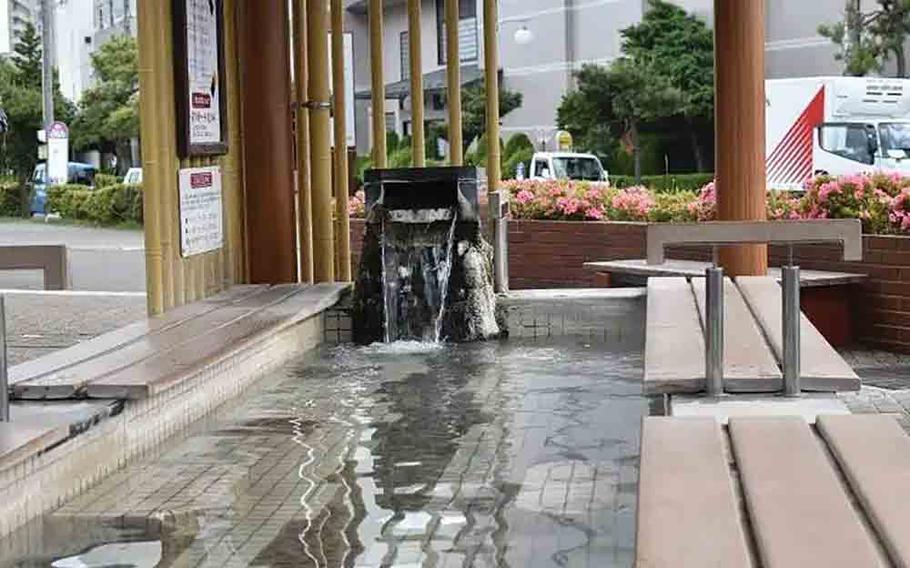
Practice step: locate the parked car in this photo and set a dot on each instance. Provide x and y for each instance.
(133, 176)
(77, 173)
(567, 165)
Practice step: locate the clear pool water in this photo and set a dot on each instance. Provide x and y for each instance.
(517, 453)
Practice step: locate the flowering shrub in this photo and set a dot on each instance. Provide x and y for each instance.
(880, 201)
(357, 205)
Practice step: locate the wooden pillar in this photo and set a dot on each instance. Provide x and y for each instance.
(378, 84)
(304, 188)
(343, 235)
(268, 154)
(453, 80)
(320, 145)
(491, 74)
(740, 125)
(418, 155)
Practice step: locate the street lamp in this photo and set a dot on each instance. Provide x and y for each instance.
(523, 36)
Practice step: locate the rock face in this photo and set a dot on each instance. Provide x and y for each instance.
(425, 273)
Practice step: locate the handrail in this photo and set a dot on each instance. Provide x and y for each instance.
(848, 232)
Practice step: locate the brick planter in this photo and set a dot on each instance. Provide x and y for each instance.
(550, 254)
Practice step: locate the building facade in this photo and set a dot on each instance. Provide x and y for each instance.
(543, 42)
(14, 16)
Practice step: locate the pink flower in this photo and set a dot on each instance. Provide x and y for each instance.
(524, 196)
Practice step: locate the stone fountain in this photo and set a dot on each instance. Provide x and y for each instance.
(425, 270)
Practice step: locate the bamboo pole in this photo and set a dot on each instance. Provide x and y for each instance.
(341, 145)
(320, 151)
(304, 187)
(453, 79)
(232, 214)
(491, 73)
(378, 84)
(740, 126)
(151, 154)
(173, 278)
(418, 157)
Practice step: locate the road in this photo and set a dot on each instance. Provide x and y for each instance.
(107, 270)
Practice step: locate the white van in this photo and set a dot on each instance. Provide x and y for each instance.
(567, 165)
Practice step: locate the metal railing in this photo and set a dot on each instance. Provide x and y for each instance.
(848, 232)
(499, 212)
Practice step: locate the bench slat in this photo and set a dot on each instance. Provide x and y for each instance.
(67, 381)
(821, 367)
(800, 514)
(749, 364)
(675, 342)
(687, 509)
(874, 453)
(162, 370)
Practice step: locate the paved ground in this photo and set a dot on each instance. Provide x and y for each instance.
(108, 278)
(481, 455)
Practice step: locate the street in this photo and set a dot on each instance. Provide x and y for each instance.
(107, 270)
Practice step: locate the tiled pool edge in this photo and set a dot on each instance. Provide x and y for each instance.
(44, 481)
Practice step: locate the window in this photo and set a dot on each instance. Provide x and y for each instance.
(586, 169)
(467, 30)
(405, 56)
(541, 169)
(895, 139)
(851, 141)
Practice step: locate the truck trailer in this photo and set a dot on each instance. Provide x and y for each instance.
(836, 126)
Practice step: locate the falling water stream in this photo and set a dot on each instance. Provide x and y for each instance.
(416, 266)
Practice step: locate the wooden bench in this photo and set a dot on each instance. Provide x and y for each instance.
(700, 505)
(50, 259)
(674, 342)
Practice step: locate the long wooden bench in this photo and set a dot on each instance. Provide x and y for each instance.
(777, 499)
(675, 343)
(150, 356)
(821, 367)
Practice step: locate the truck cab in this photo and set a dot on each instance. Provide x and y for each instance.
(567, 165)
(871, 145)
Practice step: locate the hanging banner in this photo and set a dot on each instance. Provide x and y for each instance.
(201, 214)
(199, 77)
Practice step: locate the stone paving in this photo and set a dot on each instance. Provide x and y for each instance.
(483, 455)
(886, 384)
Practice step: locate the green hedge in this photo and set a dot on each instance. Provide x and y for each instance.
(110, 205)
(12, 200)
(670, 183)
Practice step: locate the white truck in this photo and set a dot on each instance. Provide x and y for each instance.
(567, 165)
(837, 126)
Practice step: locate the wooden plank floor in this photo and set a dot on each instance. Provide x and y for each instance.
(832, 496)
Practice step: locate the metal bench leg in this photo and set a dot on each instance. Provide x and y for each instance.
(714, 331)
(791, 321)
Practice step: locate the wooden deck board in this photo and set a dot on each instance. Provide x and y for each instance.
(800, 514)
(687, 509)
(675, 343)
(874, 453)
(749, 364)
(821, 367)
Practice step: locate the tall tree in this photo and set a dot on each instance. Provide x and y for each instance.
(474, 110)
(27, 57)
(680, 47)
(108, 114)
(868, 40)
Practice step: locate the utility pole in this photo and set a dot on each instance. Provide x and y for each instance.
(47, 61)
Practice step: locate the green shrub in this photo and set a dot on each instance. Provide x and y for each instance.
(105, 180)
(517, 143)
(670, 183)
(109, 205)
(520, 156)
(12, 199)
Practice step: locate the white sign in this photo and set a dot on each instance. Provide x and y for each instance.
(348, 87)
(201, 222)
(204, 84)
(58, 153)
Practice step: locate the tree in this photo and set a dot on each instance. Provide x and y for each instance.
(680, 47)
(108, 114)
(868, 40)
(474, 110)
(20, 97)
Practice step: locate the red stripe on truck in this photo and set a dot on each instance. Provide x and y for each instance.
(791, 160)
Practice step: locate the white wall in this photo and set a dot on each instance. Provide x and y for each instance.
(74, 25)
(6, 43)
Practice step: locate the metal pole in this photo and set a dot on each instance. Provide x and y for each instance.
(714, 331)
(453, 83)
(343, 235)
(377, 84)
(4, 378)
(418, 153)
(791, 321)
(499, 208)
(47, 61)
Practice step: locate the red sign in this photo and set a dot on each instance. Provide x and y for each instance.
(202, 179)
(202, 100)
